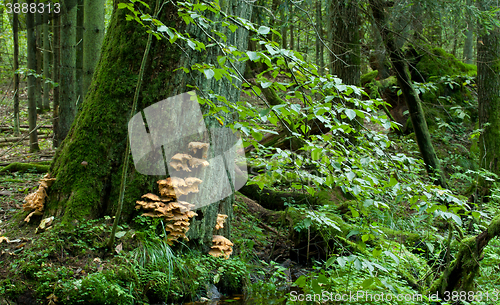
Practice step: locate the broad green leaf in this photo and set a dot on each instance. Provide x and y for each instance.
(351, 114)
(257, 135)
(209, 73)
(376, 252)
(191, 44)
(253, 55)
(367, 283)
(263, 30)
(301, 281)
(342, 261)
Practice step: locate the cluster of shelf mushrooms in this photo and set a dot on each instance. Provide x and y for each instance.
(36, 200)
(178, 213)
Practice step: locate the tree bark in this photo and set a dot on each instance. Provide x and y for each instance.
(67, 102)
(93, 36)
(56, 64)
(344, 38)
(46, 62)
(99, 133)
(488, 88)
(319, 37)
(15, 34)
(31, 39)
(39, 63)
(412, 100)
(79, 54)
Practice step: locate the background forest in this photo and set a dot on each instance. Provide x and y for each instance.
(370, 133)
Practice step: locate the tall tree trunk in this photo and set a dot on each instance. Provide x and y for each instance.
(46, 61)
(92, 39)
(417, 115)
(292, 40)
(38, 90)
(79, 54)
(2, 38)
(319, 38)
(67, 102)
(344, 38)
(15, 34)
(469, 38)
(56, 65)
(99, 133)
(31, 39)
(488, 88)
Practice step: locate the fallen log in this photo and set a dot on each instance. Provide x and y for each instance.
(16, 139)
(275, 200)
(460, 274)
(24, 167)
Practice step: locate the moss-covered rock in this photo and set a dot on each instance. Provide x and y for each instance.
(368, 77)
(437, 62)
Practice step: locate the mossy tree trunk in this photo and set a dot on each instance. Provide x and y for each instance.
(344, 38)
(46, 63)
(460, 274)
(92, 39)
(31, 39)
(15, 34)
(67, 102)
(412, 100)
(469, 34)
(99, 134)
(488, 88)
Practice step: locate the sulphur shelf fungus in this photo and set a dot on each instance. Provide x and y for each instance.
(221, 246)
(175, 186)
(36, 200)
(180, 162)
(195, 163)
(221, 218)
(195, 146)
(176, 214)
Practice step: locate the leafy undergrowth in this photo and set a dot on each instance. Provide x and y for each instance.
(71, 266)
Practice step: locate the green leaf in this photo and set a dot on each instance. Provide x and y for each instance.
(191, 44)
(253, 55)
(120, 234)
(316, 154)
(266, 84)
(330, 261)
(456, 218)
(376, 252)
(209, 73)
(122, 5)
(367, 283)
(257, 135)
(263, 30)
(301, 281)
(351, 114)
(393, 182)
(350, 175)
(342, 261)
(322, 279)
(357, 264)
(316, 287)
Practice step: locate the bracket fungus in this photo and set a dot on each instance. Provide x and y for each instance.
(221, 218)
(195, 162)
(179, 162)
(221, 246)
(195, 146)
(176, 213)
(36, 200)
